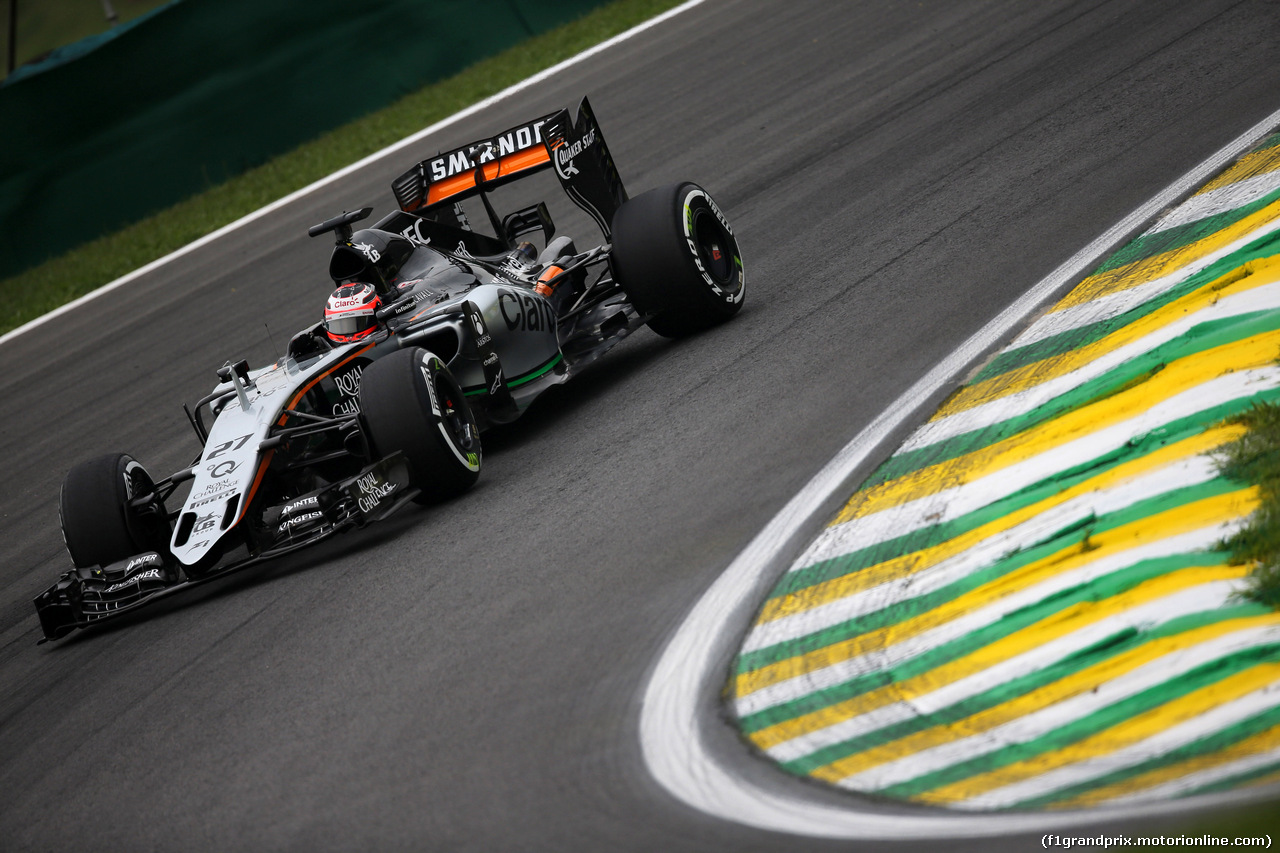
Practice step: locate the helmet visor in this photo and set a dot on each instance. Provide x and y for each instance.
(349, 325)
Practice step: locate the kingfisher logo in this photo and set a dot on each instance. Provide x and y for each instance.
(149, 575)
(290, 523)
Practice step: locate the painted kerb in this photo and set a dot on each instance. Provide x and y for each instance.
(1025, 607)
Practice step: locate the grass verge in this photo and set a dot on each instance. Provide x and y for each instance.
(41, 289)
(1255, 458)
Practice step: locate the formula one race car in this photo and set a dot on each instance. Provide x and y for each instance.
(434, 332)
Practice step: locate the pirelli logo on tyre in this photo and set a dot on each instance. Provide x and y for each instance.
(691, 240)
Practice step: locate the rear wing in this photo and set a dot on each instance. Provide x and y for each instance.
(576, 150)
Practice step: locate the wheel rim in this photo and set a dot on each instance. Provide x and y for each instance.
(715, 247)
(458, 422)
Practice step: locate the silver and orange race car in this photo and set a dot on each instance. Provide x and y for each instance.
(464, 329)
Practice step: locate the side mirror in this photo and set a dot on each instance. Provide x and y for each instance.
(340, 225)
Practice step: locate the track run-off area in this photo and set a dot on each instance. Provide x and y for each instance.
(475, 676)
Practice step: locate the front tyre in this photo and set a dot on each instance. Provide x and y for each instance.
(675, 255)
(110, 511)
(411, 404)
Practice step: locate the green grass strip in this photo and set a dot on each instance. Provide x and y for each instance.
(1200, 339)
(1111, 585)
(41, 289)
(936, 534)
(1255, 458)
(1107, 648)
(1072, 339)
(901, 611)
(1211, 743)
(1179, 237)
(1074, 731)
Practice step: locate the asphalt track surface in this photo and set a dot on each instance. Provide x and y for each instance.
(469, 677)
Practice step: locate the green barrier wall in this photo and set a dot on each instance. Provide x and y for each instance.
(209, 88)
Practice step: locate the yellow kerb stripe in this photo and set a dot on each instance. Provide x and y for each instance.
(917, 561)
(1179, 376)
(1261, 742)
(1149, 269)
(1119, 736)
(1066, 621)
(1247, 277)
(1192, 516)
(1249, 166)
(1039, 699)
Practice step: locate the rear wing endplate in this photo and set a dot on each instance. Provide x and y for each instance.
(576, 150)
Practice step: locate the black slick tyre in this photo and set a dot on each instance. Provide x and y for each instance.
(411, 404)
(675, 255)
(99, 525)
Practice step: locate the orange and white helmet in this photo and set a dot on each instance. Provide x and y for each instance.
(349, 313)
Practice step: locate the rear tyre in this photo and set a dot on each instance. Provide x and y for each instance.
(675, 255)
(99, 524)
(412, 404)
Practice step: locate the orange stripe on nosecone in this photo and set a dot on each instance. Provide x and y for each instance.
(266, 460)
(298, 395)
(257, 481)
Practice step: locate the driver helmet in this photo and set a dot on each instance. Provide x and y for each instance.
(349, 313)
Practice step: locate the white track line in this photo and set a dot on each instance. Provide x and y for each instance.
(354, 167)
(692, 666)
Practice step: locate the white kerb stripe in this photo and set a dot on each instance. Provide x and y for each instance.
(949, 504)
(912, 647)
(1185, 784)
(1115, 304)
(1146, 617)
(1212, 721)
(1045, 721)
(1035, 530)
(1262, 298)
(1203, 205)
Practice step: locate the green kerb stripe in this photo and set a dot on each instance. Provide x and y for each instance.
(1182, 235)
(1105, 718)
(1110, 647)
(1209, 744)
(927, 537)
(1072, 339)
(1114, 584)
(1063, 540)
(1202, 338)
